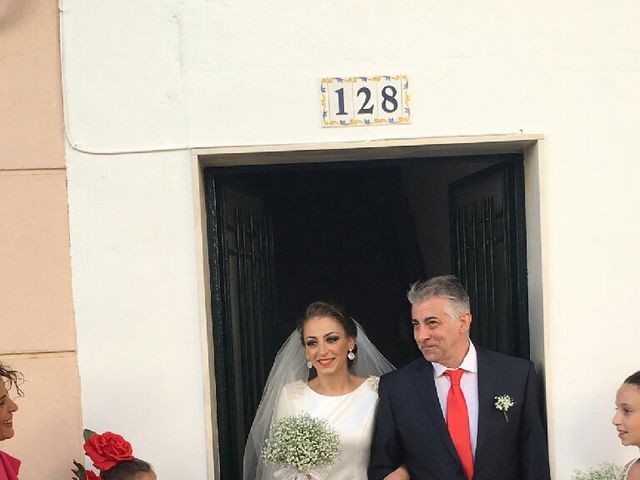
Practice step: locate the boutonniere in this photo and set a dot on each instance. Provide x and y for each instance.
(504, 403)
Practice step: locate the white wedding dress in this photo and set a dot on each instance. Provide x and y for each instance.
(352, 415)
(287, 393)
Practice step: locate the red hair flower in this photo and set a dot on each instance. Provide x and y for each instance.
(91, 476)
(107, 450)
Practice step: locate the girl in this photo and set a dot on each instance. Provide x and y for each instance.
(113, 456)
(627, 420)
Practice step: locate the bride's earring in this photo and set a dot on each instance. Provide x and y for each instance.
(309, 364)
(351, 356)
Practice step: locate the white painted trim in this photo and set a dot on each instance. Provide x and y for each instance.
(538, 282)
(368, 150)
(204, 309)
(399, 142)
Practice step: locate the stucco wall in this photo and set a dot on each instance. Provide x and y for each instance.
(135, 293)
(36, 309)
(147, 76)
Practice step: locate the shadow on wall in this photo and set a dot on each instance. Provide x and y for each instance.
(11, 12)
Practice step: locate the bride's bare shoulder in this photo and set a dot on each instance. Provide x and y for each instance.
(634, 471)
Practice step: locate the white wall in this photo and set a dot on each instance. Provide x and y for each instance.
(135, 295)
(151, 75)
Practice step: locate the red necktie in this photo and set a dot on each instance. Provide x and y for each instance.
(458, 422)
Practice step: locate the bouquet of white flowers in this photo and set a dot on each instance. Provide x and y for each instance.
(604, 471)
(303, 446)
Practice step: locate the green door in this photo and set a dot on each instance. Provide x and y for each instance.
(488, 246)
(241, 275)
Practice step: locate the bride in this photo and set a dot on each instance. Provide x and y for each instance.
(343, 392)
(627, 420)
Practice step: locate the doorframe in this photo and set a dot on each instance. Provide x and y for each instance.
(531, 146)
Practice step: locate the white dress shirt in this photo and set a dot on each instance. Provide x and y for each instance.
(469, 386)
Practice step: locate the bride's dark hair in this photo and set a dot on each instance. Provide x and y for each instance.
(326, 309)
(633, 379)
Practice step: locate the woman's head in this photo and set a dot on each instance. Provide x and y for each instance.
(135, 469)
(328, 336)
(10, 379)
(627, 417)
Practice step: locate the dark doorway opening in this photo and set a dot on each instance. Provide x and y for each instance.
(356, 233)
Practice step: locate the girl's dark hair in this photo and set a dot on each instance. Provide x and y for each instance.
(326, 309)
(633, 379)
(126, 470)
(13, 378)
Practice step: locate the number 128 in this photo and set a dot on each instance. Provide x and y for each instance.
(389, 101)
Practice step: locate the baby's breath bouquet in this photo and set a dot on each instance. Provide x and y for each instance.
(604, 471)
(303, 446)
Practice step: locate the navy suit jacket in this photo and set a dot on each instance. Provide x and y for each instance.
(411, 430)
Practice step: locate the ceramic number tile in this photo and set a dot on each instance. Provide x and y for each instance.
(338, 101)
(390, 100)
(362, 101)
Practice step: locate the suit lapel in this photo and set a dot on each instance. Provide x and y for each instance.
(486, 394)
(426, 388)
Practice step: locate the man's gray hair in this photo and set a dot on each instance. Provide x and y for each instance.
(447, 286)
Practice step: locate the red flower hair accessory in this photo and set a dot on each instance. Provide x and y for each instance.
(105, 451)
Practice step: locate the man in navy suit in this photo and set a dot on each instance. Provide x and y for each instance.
(461, 412)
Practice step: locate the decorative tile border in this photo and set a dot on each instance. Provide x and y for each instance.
(356, 101)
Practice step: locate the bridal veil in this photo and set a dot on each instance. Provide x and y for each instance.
(290, 365)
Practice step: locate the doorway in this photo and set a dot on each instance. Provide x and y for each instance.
(356, 233)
